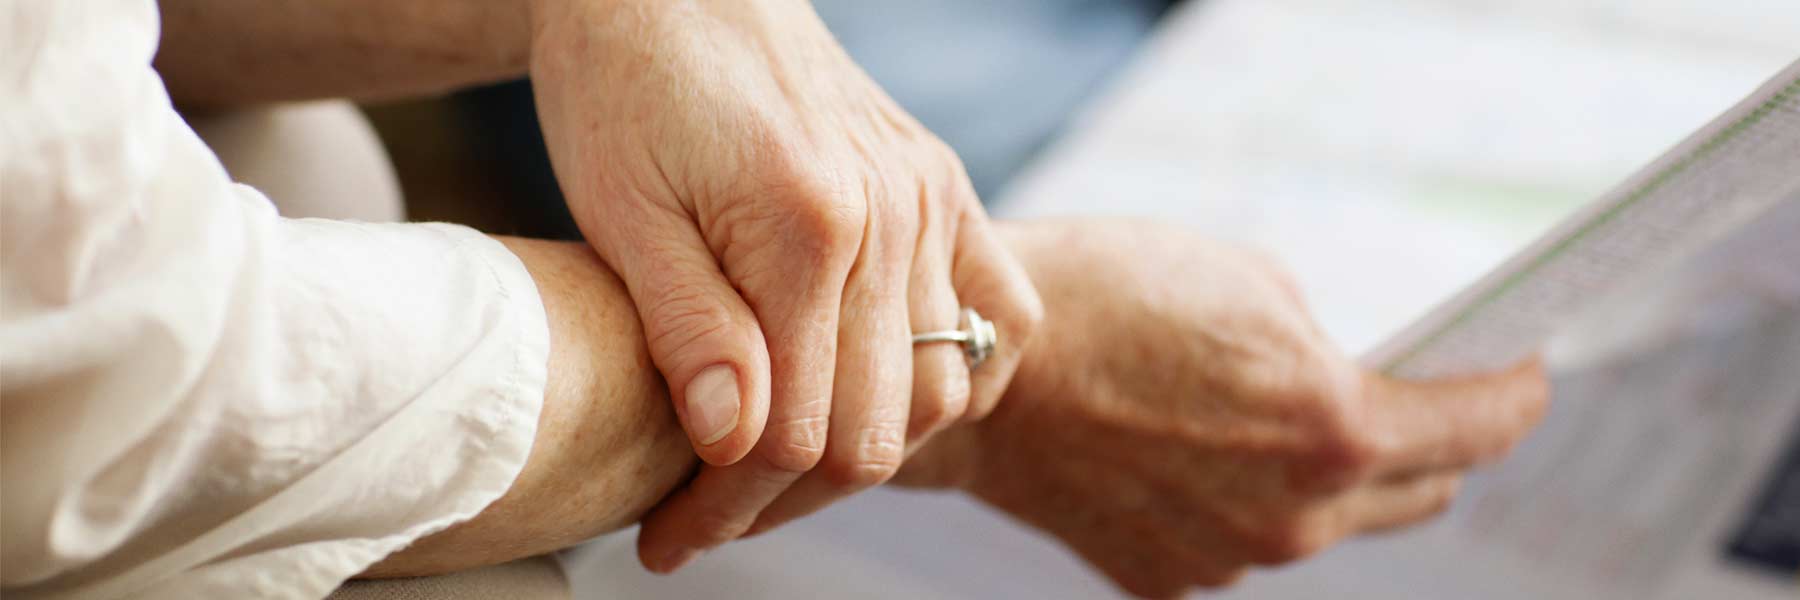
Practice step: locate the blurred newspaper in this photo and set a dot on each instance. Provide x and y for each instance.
(1736, 169)
(1669, 465)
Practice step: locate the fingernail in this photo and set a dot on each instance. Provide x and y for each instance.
(712, 403)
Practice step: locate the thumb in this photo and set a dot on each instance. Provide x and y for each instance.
(702, 336)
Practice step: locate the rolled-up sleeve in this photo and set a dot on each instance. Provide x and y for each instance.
(204, 399)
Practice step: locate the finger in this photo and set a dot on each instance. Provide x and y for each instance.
(940, 375)
(1452, 424)
(795, 285)
(988, 278)
(716, 507)
(702, 336)
(1399, 503)
(871, 389)
(798, 305)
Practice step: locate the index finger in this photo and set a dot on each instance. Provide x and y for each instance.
(1422, 426)
(722, 501)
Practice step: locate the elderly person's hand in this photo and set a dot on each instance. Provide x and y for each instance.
(1181, 418)
(783, 227)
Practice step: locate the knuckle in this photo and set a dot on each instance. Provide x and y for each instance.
(821, 216)
(796, 446)
(829, 224)
(794, 457)
(871, 461)
(1346, 433)
(1339, 450)
(815, 211)
(685, 319)
(1346, 454)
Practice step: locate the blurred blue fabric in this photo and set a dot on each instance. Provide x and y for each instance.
(996, 79)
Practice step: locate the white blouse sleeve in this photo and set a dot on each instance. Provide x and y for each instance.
(204, 399)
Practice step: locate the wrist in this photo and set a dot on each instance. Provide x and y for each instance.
(605, 415)
(1036, 245)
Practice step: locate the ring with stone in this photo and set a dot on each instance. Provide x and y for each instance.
(977, 336)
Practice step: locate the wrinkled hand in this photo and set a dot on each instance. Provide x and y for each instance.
(1182, 417)
(782, 227)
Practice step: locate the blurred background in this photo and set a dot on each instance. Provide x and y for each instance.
(1390, 152)
(996, 79)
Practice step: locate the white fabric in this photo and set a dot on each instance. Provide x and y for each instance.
(201, 398)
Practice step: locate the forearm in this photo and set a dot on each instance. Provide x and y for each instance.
(608, 446)
(221, 52)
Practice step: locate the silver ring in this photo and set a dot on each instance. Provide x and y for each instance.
(977, 336)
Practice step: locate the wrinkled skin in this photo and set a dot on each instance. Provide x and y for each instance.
(1181, 418)
(781, 225)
